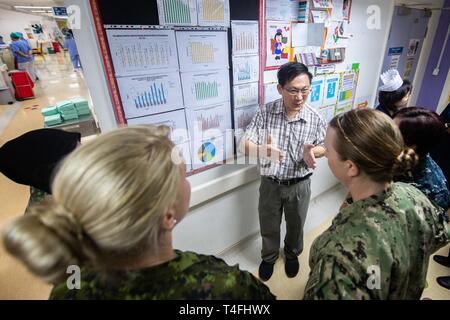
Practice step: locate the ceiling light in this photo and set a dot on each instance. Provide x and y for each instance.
(31, 7)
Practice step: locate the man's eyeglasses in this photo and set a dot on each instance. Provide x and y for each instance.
(295, 92)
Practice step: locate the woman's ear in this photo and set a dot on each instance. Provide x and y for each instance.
(168, 219)
(352, 169)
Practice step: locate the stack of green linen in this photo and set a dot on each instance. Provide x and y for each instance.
(53, 119)
(81, 106)
(49, 111)
(67, 110)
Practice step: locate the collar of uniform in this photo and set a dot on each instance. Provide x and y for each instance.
(278, 107)
(367, 202)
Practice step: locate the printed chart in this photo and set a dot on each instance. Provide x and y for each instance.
(213, 13)
(245, 94)
(177, 12)
(146, 95)
(243, 116)
(215, 118)
(245, 37)
(201, 50)
(176, 120)
(136, 52)
(245, 69)
(205, 87)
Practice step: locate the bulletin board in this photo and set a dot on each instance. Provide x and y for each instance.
(190, 64)
(205, 66)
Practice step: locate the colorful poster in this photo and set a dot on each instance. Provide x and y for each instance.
(278, 43)
(347, 87)
(316, 95)
(408, 67)
(331, 89)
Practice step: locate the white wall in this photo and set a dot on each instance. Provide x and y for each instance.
(13, 21)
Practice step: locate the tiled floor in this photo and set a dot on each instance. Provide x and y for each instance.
(248, 253)
(58, 82)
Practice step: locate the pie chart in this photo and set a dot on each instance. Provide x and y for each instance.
(207, 152)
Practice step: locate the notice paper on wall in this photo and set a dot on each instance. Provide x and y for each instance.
(245, 94)
(245, 35)
(331, 89)
(286, 10)
(202, 50)
(137, 52)
(150, 94)
(271, 92)
(245, 69)
(316, 95)
(307, 34)
(202, 88)
(177, 12)
(213, 13)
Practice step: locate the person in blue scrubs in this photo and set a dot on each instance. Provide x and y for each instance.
(23, 54)
(71, 46)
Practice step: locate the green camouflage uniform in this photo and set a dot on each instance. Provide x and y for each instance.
(395, 231)
(188, 276)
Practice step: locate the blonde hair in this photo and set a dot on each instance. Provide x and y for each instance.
(108, 200)
(374, 143)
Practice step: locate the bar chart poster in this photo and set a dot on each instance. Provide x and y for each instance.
(202, 50)
(137, 52)
(245, 69)
(245, 37)
(202, 121)
(177, 12)
(243, 116)
(205, 87)
(245, 94)
(213, 13)
(152, 94)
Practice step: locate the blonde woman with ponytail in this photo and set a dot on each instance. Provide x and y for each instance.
(379, 245)
(116, 201)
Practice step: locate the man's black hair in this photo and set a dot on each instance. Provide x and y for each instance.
(291, 70)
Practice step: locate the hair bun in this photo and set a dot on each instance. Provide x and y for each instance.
(405, 162)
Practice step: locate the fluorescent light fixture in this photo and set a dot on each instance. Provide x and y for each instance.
(42, 11)
(31, 7)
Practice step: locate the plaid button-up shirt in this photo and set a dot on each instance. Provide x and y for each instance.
(289, 136)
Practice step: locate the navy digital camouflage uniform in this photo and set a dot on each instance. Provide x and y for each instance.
(396, 231)
(429, 178)
(189, 276)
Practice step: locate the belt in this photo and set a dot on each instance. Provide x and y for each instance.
(289, 182)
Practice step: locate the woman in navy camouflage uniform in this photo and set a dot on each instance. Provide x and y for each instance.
(379, 245)
(116, 201)
(422, 130)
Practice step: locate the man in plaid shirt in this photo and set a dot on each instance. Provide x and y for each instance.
(287, 136)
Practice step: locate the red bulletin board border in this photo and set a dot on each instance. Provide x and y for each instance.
(107, 63)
